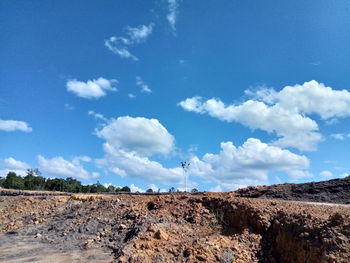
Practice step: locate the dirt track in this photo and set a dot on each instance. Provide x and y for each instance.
(170, 228)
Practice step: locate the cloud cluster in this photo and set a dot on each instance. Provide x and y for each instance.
(130, 144)
(60, 167)
(248, 164)
(12, 125)
(135, 35)
(282, 113)
(91, 89)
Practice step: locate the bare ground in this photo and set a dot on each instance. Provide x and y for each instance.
(170, 228)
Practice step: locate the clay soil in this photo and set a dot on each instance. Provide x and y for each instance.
(170, 228)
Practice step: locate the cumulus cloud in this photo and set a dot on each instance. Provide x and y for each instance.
(248, 164)
(92, 89)
(285, 113)
(135, 35)
(144, 87)
(131, 96)
(12, 125)
(11, 163)
(128, 163)
(173, 6)
(60, 167)
(315, 98)
(135, 189)
(141, 135)
(294, 129)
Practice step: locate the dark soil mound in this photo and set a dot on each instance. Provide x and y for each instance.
(332, 191)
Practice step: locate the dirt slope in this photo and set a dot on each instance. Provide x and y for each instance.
(331, 191)
(171, 228)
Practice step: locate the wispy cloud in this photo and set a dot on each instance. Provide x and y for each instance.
(135, 35)
(68, 107)
(172, 14)
(97, 115)
(340, 136)
(144, 87)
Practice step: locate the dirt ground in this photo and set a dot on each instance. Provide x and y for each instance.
(210, 227)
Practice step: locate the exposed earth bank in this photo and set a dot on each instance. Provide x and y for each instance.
(331, 191)
(208, 227)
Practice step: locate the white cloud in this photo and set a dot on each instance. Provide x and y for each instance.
(283, 113)
(326, 174)
(12, 125)
(60, 167)
(68, 107)
(248, 164)
(343, 175)
(140, 33)
(4, 172)
(135, 188)
(315, 98)
(294, 129)
(11, 163)
(78, 159)
(141, 135)
(131, 96)
(172, 14)
(125, 163)
(95, 175)
(97, 115)
(340, 136)
(92, 89)
(120, 45)
(144, 87)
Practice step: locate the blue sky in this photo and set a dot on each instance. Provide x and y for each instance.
(250, 92)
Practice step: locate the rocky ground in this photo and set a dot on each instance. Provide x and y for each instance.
(331, 191)
(208, 227)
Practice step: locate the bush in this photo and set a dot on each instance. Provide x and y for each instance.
(149, 190)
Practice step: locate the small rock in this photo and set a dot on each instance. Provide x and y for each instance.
(88, 244)
(38, 235)
(161, 234)
(187, 252)
(122, 226)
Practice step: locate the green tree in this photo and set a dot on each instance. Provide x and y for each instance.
(194, 190)
(125, 189)
(172, 190)
(111, 189)
(13, 181)
(149, 190)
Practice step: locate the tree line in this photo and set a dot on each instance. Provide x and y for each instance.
(33, 181)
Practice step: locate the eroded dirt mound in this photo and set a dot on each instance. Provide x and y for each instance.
(331, 191)
(176, 228)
